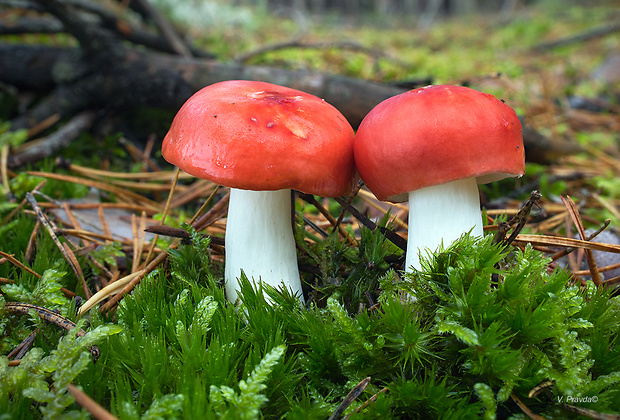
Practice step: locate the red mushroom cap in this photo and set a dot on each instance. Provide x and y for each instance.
(259, 136)
(434, 135)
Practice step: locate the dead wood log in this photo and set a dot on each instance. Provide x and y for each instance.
(141, 78)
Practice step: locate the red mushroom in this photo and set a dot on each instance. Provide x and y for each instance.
(433, 145)
(262, 140)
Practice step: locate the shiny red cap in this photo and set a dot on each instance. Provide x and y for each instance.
(434, 135)
(260, 136)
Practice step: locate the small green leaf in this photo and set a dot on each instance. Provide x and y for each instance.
(48, 289)
(466, 335)
(169, 406)
(12, 138)
(16, 292)
(485, 393)
(205, 310)
(39, 394)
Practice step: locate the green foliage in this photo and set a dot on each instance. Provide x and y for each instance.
(486, 396)
(516, 327)
(427, 396)
(45, 293)
(109, 149)
(14, 380)
(246, 403)
(106, 254)
(453, 340)
(66, 363)
(366, 264)
(201, 244)
(62, 366)
(23, 183)
(166, 406)
(11, 138)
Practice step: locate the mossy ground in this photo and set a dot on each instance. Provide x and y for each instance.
(475, 340)
(492, 332)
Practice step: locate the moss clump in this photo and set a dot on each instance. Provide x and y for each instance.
(476, 326)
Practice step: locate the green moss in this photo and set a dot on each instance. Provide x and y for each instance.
(473, 335)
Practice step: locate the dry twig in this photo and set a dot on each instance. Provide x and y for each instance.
(351, 396)
(97, 411)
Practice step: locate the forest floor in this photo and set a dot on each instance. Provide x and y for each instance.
(80, 229)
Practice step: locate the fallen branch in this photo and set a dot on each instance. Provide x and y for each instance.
(582, 37)
(46, 146)
(170, 34)
(97, 411)
(298, 44)
(536, 240)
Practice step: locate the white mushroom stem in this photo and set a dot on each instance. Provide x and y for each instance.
(439, 215)
(259, 240)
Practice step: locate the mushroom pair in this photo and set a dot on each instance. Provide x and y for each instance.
(432, 145)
